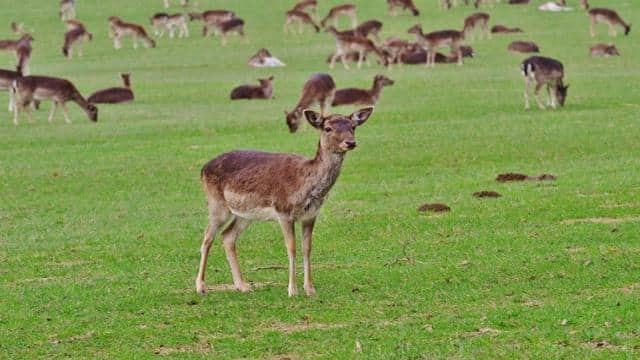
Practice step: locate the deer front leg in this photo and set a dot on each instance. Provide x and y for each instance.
(66, 113)
(307, 233)
(288, 230)
(537, 95)
(135, 41)
(116, 42)
(360, 59)
(612, 30)
(229, 238)
(592, 28)
(333, 60)
(527, 84)
(53, 111)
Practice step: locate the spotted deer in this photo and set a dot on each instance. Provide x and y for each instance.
(67, 10)
(31, 88)
(523, 47)
(346, 44)
(248, 92)
(609, 17)
(544, 71)
(604, 50)
(246, 186)
(348, 10)
(433, 41)
(320, 89)
(393, 6)
(356, 96)
(114, 95)
(473, 22)
(119, 29)
(301, 18)
(76, 35)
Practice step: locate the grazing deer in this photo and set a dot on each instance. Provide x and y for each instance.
(22, 50)
(348, 10)
(320, 89)
(263, 58)
(301, 18)
(355, 96)
(475, 21)
(233, 26)
(119, 29)
(159, 23)
(114, 95)
(404, 5)
(7, 77)
(67, 10)
(310, 6)
(604, 50)
(31, 88)
(523, 47)
(544, 71)
(346, 44)
(249, 92)
(501, 29)
(369, 27)
(76, 34)
(246, 186)
(608, 16)
(432, 41)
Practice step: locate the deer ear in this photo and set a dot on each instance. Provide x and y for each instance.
(360, 116)
(314, 118)
(270, 78)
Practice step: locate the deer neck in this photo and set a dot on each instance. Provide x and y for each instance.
(326, 168)
(375, 91)
(80, 100)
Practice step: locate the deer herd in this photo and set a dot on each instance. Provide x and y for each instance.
(246, 186)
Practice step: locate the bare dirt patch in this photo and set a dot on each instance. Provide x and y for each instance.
(434, 208)
(603, 345)
(486, 194)
(231, 287)
(203, 347)
(602, 220)
(291, 328)
(481, 332)
(53, 339)
(523, 177)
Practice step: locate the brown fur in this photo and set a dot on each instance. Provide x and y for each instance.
(402, 4)
(544, 71)
(486, 194)
(608, 16)
(604, 50)
(346, 44)
(301, 18)
(245, 186)
(355, 96)
(474, 21)
(114, 95)
(320, 88)
(76, 35)
(233, 26)
(248, 92)
(348, 10)
(434, 208)
(501, 29)
(415, 54)
(432, 41)
(119, 29)
(523, 47)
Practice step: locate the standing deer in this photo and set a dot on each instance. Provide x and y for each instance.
(544, 71)
(608, 16)
(248, 92)
(432, 41)
(212, 17)
(355, 96)
(402, 4)
(67, 10)
(604, 50)
(233, 26)
(76, 35)
(114, 95)
(301, 18)
(119, 29)
(348, 10)
(246, 186)
(22, 51)
(37, 88)
(475, 21)
(346, 44)
(320, 89)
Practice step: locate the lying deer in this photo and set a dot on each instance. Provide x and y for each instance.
(393, 5)
(523, 47)
(76, 35)
(31, 88)
(249, 92)
(432, 41)
(114, 95)
(544, 71)
(355, 96)
(348, 10)
(607, 16)
(415, 54)
(67, 10)
(263, 58)
(346, 44)
(604, 50)
(501, 29)
(301, 18)
(320, 89)
(246, 186)
(119, 29)
(475, 21)
(7, 77)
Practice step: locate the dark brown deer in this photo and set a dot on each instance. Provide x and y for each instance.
(76, 35)
(356, 96)
(119, 29)
(225, 28)
(67, 10)
(249, 92)
(523, 47)
(604, 50)
(393, 5)
(501, 29)
(7, 77)
(433, 41)
(31, 88)
(348, 10)
(609, 17)
(246, 186)
(544, 71)
(346, 44)
(114, 95)
(473, 22)
(320, 89)
(301, 18)
(415, 54)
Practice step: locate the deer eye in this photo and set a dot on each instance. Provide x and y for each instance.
(328, 130)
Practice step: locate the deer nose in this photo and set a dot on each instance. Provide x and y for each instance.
(350, 144)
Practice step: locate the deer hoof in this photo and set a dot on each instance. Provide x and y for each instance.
(310, 291)
(293, 291)
(201, 288)
(243, 287)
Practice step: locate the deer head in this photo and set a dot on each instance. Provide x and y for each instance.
(338, 131)
(561, 93)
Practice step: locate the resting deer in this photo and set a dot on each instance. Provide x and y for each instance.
(501, 29)
(67, 10)
(432, 41)
(608, 16)
(31, 88)
(355, 96)
(393, 5)
(475, 21)
(246, 186)
(76, 35)
(249, 92)
(348, 10)
(263, 58)
(114, 95)
(119, 29)
(415, 54)
(604, 50)
(544, 71)
(320, 89)
(346, 44)
(7, 77)
(523, 47)
(301, 18)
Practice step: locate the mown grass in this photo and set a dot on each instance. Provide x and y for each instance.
(100, 224)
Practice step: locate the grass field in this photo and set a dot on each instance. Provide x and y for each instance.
(101, 224)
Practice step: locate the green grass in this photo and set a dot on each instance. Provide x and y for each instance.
(100, 224)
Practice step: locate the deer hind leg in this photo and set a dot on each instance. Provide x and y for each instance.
(217, 217)
(612, 30)
(135, 41)
(229, 238)
(65, 112)
(334, 57)
(537, 94)
(54, 107)
(307, 235)
(116, 42)
(592, 27)
(288, 230)
(527, 85)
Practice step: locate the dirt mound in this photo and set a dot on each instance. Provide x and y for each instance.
(486, 194)
(522, 177)
(434, 208)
